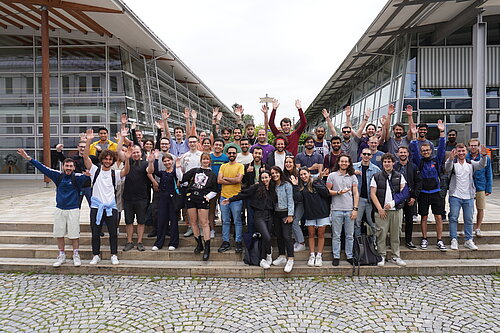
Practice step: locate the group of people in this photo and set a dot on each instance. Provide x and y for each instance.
(368, 180)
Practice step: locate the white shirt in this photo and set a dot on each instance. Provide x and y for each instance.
(190, 160)
(462, 171)
(244, 159)
(103, 188)
(389, 199)
(279, 159)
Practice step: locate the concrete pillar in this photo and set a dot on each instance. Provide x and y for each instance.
(479, 39)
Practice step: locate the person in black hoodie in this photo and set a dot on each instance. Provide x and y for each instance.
(201, 187)
(315, 196)
(262, 196)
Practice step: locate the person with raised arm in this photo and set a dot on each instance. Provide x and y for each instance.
(103, 201)
(370, 129)
(67, 214)
(286, 127)
(103, 143)
(350, 142)
(180, 145)
(392, 143)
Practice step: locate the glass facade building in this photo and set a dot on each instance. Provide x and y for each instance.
(92, 82)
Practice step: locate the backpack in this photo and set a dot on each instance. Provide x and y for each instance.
(253, 245)
(113, 178)
(363, 252)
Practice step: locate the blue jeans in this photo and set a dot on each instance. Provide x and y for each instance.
(364, 206)
(467, 206)
(234, 209)
(341, 218)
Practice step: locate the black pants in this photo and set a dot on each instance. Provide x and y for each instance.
(167, 220)
(262, 221)
(154, 210)
(111, 222)
(283, 233)
(408, 212)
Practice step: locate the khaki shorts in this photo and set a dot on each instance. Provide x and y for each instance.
(67, 223)
(480, 200)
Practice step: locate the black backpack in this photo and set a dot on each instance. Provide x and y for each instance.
(364, 253)
(113, 178)
(73, 181)
(253, 245)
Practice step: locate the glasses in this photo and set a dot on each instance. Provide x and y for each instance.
(367, 154)
(426, 150)
(346, 132)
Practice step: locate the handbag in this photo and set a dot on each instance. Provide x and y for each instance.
(179, 199)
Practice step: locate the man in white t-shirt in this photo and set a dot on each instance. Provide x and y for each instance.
(103, 200)
(245, 157)
(389, 192)
(191, 159)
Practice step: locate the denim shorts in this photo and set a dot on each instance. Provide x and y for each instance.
(323, 222)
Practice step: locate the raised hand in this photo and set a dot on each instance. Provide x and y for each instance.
(159, 125)
(219, 116)
(123, 118)
(348, 111)
(391, 110)
(239, 110)
(453, 154)
(194, 114)
(440, 125)
(187, 112)
(157, 154)
(409, 110)
(298, 104)
(165, 114)
(215, 112)
(483, 150)
(23, 154)
(128, 153)
(83, 137)
(325, 113)
(90, 134)
(59, 147)
(133, 125)
(264, 109)
(150, 157)
(368, 113)
(414, 131)
(276, 104)
(124, 132)
(178, 162)
(294, 180)
(383, 120)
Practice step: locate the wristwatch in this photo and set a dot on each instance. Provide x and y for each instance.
(355, 208)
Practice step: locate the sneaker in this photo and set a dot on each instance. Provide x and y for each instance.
(224, 247)
(411, 246)
(335, 262)
(171, 248)
(454, 244)
(77, 262)
(269, 259)
(288, 266)
(155, 248)
(470, 245)
(478, 233)
(440, 245)
(381, 262)
(281, 260)
(424, 243)
(238, 247)
(350, 261)
(398, 261)
(212, 234)
(312, 259)
(415, 218)
(264, 264)
(61, 259)
(319, 261)
(299, 247)
(189, 232)
(95, 260)
(128, 247)
(114, 260)
(140, 247)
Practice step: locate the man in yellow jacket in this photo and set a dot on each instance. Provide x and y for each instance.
(103, 143)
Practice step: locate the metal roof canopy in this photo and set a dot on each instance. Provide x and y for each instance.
(398, 17)
(107, 18)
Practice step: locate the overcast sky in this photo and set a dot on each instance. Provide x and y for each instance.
(244, 49)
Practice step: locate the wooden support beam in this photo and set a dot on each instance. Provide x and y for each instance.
(68, 20)
(46, 89)
(3, 25)
(66, 5)
(28, 14)
(85, 19)
(19, 18)
(14, 23)
(51, 19)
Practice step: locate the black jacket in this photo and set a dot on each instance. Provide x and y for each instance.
(79, 164)
(316, 203)
(249, 176)
(271, 160)
(257, 202)
(412, 176)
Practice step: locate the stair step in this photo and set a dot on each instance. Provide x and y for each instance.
(240, 270)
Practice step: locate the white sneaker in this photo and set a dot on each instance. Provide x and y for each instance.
(381, 262)
(478, 233)
(415, 218)
(171, 248)
(288, 266)
(114, 259)
(154, 248)
(212, 234)
(398, 261)
(319, 261)
(470, 244)
(264, 264)
(454, 244)
(189, 232)
(312, 259)
(299, 247)
(77, 262)
(95, 260)
(281, 260)
(61, 259)
(269, 259)
(461, 233)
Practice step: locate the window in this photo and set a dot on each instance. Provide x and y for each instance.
(492, 136)
(65, 83)
(9, 88)
(82, 83)
(96, 84)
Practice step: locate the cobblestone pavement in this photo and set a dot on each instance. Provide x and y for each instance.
(59, 303)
